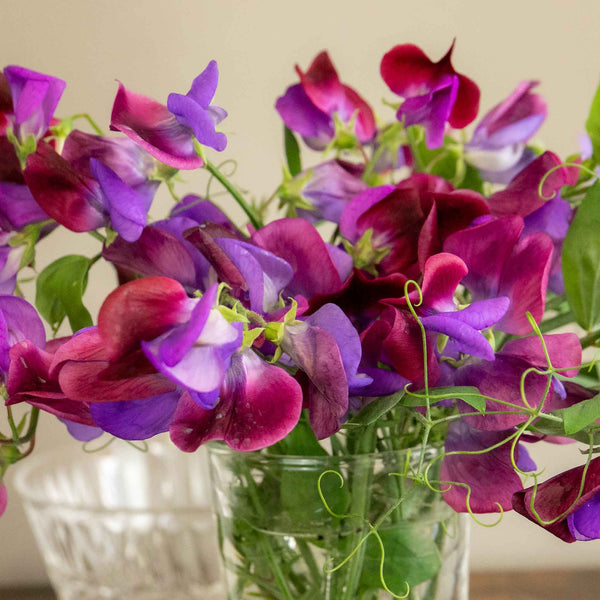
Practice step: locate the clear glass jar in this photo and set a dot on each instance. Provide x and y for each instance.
(122, 524)
(288, 530)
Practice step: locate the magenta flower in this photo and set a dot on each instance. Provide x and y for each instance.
(318, 268)
(259, 404)
(498, 142)
(326, 348)
(327, 188)
(434, 93)
(3, 498)
(501, 379)
(35, 97)
(489, 476)
(309, 107)
(32, 379)
(197, 354)
(81, 203)
(409, 221)
(167, 132)
(502, 262)
(556, 500)
(19, 321)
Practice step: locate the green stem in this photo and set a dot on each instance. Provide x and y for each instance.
(590, 339)
(556, 322)
(97, 235)
(250, 212)
(263, 541)
(416, 153)
(364, 443)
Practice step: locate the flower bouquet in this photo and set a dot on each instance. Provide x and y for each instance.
(374, 362)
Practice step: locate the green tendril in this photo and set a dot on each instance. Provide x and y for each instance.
(89, 450)
(142, 446)
(556, 168)
(322, 496)
(546, 523)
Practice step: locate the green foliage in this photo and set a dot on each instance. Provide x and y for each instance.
(592, 125)
(292, 152)
(580, 415)
(581, 260)
(59, 290)
(411, 556)
(377, 409)
(468, 394)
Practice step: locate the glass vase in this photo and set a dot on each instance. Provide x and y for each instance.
(289, 530)
(122, 524)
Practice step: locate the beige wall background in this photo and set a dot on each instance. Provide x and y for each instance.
(156, 47)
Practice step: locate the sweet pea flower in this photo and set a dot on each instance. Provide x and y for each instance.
(326, 348)
(18, 321)
(487, 477)
(197, 354)
(573, 518)
(547, 212)
(502, 379)
(434, 93)
(32, 379)
(318, 268)
(310, 107)
(259, 404)
(81, 203)
(168, 132)
(6, 105)
(3, 498)
(498, 142)
(35, 97)
(322, 192)
(397, 228)
(503, 262)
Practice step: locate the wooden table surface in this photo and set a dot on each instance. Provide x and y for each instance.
(537, 585)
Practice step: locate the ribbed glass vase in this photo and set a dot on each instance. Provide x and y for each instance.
(122, 524)
(289, 530)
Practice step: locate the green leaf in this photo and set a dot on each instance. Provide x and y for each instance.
(411, 556)
(59, 290)
(592, 125)
(301, 441)
(292, 152)
(376, 409)
(468, 394)
(300, 494)
(581, 260)
(580, 415)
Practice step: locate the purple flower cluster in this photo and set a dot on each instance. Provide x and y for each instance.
(220, 334)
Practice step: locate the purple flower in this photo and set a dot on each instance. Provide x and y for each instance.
(499, 139)
(194, 110)
(35, 97)
(326, 347)
(18, 321)
(318, 268)
(259, 404)
(167, 132)
(3, 498)
(502, 378)
(326, 188)
(131, 163)
(18, 207)
(197, 354)
(435, 94)
(10, 262)
(310, 106)
(502, 262)
(81, 203)
(489, 476)
(556, 500)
